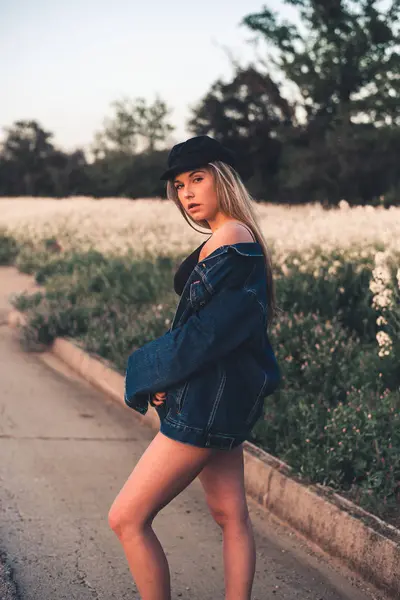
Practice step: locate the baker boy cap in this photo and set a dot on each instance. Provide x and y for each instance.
(197, 152)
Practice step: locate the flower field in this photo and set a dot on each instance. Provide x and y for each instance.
(108, 265)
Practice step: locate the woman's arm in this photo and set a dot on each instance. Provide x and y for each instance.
(226, 321)
(222, 324)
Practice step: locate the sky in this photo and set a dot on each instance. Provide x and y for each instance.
(64, 62)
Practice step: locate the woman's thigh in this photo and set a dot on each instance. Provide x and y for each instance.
(223, 481)
(165, 469)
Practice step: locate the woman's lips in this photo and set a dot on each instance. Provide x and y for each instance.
(196, 206)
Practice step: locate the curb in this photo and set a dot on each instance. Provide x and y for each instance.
(364, 542)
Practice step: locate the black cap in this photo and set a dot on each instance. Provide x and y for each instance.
(197, 152)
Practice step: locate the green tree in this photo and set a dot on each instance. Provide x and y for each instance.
(134, 127)
(31, 165)
(343, 58)
(28, 152)
(246, 114)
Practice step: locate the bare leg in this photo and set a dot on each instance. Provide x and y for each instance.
(165, 469)
(223, 482)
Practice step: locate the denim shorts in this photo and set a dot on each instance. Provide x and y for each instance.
(181, 429)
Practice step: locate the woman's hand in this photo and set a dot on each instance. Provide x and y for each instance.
(158, 398)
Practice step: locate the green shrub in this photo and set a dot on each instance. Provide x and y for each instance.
(8, 248)
(112, 304)
(333, 409)
(340, 291)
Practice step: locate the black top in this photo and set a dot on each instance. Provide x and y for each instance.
(185, 268)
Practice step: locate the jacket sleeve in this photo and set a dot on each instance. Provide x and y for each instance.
(228, 319)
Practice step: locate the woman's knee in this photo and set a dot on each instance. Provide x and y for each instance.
(133, 518)
(225, 514)
(117, 519)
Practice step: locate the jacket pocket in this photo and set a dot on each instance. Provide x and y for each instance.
(176, 397)
(198, 294)
(195, 402)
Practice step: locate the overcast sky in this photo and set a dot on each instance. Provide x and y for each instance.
(64, 61)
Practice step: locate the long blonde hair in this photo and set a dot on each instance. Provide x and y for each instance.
(235, 201)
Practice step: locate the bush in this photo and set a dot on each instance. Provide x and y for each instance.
(111, 304)
(8, 248)
(333, 285)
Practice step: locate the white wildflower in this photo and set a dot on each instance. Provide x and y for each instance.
(383, 339)
(383, 299)
(381, 320)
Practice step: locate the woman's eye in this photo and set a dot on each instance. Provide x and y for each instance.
(177, 187)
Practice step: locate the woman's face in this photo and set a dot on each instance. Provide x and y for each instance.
(197, 187)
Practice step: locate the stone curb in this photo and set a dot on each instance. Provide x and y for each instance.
(365, 543)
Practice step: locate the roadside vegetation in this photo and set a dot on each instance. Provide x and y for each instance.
(336, 417)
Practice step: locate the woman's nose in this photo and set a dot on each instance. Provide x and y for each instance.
(187, 193)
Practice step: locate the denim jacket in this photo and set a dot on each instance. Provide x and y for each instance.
(217, 346)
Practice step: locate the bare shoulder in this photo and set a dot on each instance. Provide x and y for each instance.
(231, 232)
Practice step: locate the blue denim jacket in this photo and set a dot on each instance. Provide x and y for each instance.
(216, 352)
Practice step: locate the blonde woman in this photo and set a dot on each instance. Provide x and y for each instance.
(207, 376)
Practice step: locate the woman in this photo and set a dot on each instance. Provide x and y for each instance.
(207, 376)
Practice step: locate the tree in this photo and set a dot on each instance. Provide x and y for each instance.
(344, 59)
(27, 153)
(133, 124)
(246, 114)
(31, 165)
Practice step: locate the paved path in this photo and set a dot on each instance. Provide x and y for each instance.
(66, 450)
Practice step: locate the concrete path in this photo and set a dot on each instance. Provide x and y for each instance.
(66, 450)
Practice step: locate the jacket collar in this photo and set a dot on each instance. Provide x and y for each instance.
(210, 277)
(244, 248)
